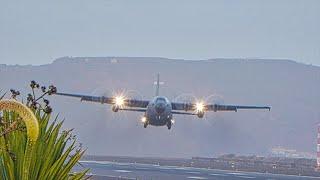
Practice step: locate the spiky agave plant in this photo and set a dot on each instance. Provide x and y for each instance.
(33, 147)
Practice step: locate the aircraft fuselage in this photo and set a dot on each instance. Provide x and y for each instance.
(159, 112)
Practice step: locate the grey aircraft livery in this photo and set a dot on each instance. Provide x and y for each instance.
(159, 111)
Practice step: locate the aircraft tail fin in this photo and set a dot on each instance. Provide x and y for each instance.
(158, 84)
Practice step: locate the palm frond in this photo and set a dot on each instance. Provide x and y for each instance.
(53, 156)
(4, 94)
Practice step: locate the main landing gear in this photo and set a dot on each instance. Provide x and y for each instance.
(169, 124)
(145, 121)
(145, 124)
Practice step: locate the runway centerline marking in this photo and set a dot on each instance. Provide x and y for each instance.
(247, 177)
(193, 172)
(122, 171)
(196, 177)
(213, 174)
(239, 174)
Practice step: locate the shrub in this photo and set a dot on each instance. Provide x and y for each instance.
(53, 153)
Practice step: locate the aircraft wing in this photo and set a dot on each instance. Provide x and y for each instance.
(121, 101)
(212, 107)
(218, 107)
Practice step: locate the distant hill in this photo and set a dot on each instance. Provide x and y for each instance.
(292, 89)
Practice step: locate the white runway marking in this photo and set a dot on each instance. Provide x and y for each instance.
(196, 177)
(238, 174)
(142, 168)
(122, 171)
(217, 174)
(246, 177)
(192, 172)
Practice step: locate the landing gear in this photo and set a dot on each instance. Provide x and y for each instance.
(145, 124)
(115, 108)
(200, 114)
(169, 124)
(145, 121)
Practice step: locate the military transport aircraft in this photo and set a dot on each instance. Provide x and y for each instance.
(159, 111)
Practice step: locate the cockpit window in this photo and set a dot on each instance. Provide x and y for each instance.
(160, 99)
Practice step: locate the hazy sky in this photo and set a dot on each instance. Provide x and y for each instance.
(36, 32)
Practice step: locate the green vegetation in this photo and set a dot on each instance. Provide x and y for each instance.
(51, 156)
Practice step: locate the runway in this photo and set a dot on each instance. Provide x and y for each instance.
(112, 170)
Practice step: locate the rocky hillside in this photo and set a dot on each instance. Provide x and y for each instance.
(292, 89)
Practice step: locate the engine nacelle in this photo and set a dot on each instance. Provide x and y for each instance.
(200, 114)
(115, 108)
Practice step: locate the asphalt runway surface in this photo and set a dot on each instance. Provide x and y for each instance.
(111, 170)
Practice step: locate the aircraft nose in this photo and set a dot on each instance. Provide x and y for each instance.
(160, 108)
